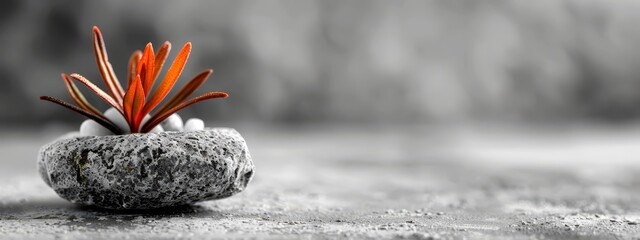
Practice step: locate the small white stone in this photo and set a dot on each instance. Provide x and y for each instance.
(117, 119)
(156, 129)
(194, 124)
(173, 123)
(92, 128)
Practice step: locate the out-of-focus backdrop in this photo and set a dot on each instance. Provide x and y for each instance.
(343, 61)
(366, 119)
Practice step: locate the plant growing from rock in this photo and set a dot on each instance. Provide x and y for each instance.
(143, 171)
(136, 105)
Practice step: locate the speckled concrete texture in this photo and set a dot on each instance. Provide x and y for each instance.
(377, 182)
(144, 171)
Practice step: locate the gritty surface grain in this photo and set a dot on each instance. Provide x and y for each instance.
(372, 183)
(144, 171)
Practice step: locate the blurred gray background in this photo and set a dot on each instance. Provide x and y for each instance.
(549, 61)
(426, 119)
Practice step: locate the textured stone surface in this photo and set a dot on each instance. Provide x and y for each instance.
(142, 171)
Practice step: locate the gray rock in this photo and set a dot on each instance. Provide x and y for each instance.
(144, 171)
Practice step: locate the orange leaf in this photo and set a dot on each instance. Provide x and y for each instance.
(138, 104)
(97, 91)
(106, 71)
(128, 101)
(186, 91)
(100, 120)
(158, 118)
(169, 80)
(77, 96)
(146, 70)
(133, 65)
(163, 52)
(133, 102)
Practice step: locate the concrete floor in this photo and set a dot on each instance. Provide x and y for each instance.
(371, 182)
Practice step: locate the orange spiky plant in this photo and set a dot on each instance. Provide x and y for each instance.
(137, 101)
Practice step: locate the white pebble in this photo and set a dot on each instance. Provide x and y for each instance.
(156, 129)
(92, 128)
(194, 124)
(173, 123)
(117, 119)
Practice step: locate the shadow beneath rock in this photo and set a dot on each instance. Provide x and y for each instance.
(189, 210)
(59, 209)
(55, 212)
(92, 218)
